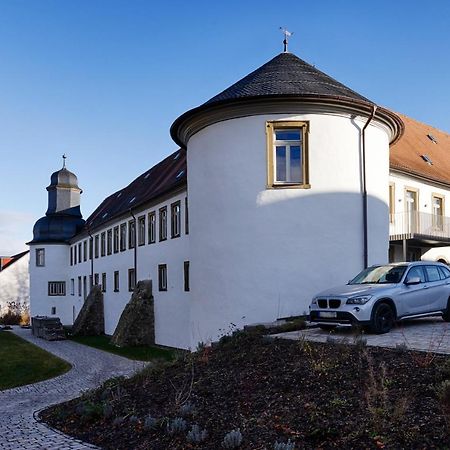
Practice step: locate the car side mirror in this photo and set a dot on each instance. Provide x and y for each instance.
(413, 280)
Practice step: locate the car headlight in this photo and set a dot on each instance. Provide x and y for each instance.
(362, 300)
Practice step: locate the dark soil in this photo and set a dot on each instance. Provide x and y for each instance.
(320, 396)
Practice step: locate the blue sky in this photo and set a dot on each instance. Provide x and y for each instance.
(102, 81)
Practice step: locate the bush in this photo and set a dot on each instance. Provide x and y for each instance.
(16, 314)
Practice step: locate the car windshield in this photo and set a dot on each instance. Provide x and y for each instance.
(380, 275)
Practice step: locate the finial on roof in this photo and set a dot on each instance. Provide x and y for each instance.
(64, 160)
(286, 35)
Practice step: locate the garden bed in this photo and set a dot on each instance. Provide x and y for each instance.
(323, 396)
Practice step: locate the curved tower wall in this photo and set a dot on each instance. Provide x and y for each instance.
(259, 254)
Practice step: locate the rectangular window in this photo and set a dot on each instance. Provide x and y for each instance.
(163, 223)
(56, 288)
(96, 241)
(287, 155)
(75, 254)
(141, 230)
(96, 279)
(116, 239)
(391, 202)
(109, 242)
(79, 252)
(131, 234)
(53, 310)
(186, 276)
(116, 281)
(85, 250)
(84, 288)
(72, 286)
(40, 257)
(91, 247)
(103, 282)
(186, 216)
(79, 286)
(91, 281)
(175, 219)
(151, 227)
(103, 244)
(71, 256)
(123, 237)
(437, 202)
(131, 279)
(162, 277)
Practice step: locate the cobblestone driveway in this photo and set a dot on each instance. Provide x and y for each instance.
(90, 367)
(429, 334)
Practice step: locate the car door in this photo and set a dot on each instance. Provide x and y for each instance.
(436, 288)
(414, 298)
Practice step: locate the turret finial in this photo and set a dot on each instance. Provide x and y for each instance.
(64, 157)
(286, 35)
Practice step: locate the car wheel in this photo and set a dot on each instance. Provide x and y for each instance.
(327, 327)
(446, 315)
(383, 319)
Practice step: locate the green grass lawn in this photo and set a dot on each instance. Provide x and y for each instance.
(141, 353)
(24, 363)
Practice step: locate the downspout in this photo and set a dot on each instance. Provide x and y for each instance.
(364, 189)
(135, 246)
(91, 254)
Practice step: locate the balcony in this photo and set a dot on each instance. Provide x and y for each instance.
(420, 228)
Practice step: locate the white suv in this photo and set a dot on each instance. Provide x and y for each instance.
(381, 295)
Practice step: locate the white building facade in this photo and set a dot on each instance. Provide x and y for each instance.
(280, 189)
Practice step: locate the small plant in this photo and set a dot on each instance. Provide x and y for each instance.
(444, 368)
(443, 393)
(177, 425)
(195, 435)
(284, 445)
(150, 423)
(186, 409)
(233, 439)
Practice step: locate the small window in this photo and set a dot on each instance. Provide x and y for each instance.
(85, 253)
(116, 281)
(186, 276)
(437, 203)
(287, 155)
(53, 310)
(186, 216)
(131, 279)
(162, 277)
(432, 273)
(96, 279)
(151, 227)
(103, 282)
(391, 202)
(109, 242)
(415, 272)
(75, 254)
(131, 234)
(40, 257)
(79, 252)
(175, 222)
(91, 281)
(96, 242)
(71, 256)
(56, 288)
(163, 223)
(123, 237)
(103, 244)
(72, 286)
(445, 273)
(79, 286)
(91, 248)
(116, 239)
(141, 230)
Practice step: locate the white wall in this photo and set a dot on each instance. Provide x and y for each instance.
(172, 306)
(258, 254)
(14, 284)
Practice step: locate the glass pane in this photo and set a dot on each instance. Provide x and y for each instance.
(287, 135)
(296, 164)
(280, 163)
(433, 273)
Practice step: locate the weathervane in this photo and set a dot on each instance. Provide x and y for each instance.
(64, 160)
(286, 35)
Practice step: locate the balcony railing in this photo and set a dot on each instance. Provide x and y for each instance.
(416, 225)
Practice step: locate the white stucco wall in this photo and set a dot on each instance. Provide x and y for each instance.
(14, 284)
(258, 254)
(171, 306)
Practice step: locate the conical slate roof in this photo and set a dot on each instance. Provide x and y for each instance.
(287, 74)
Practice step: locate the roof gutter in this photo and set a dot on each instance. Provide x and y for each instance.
(364, 190)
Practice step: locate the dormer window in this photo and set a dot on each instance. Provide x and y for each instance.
(287, 155)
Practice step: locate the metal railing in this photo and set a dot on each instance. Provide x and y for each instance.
(406, 225)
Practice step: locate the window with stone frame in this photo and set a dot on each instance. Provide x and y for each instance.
(103, 243)
(109, 242)
(116, 281)
(123, 237)
(116, 239)
(131, 233)
(141, 230)
(40, 257)
(175, 219)
(151, 227)
(163, 223)
(162, 277)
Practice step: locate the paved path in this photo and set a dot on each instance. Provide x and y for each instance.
(430, 334)
(90, 367)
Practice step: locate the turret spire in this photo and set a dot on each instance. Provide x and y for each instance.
(286, 35)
